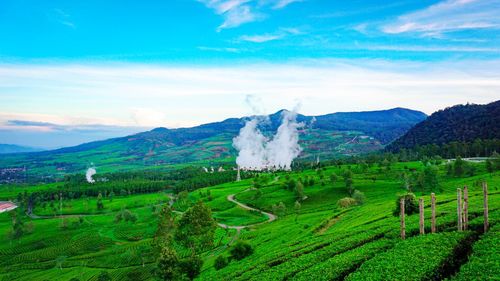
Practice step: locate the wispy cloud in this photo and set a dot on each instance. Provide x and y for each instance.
(279, 4)
(64, 18)
(238, 12)
(448, 16)
(262, 38)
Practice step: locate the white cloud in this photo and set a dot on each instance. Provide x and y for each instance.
(262, 38)
(148, 117)
(448, 16)
(173, 96)
(238, 12)
(279, 4)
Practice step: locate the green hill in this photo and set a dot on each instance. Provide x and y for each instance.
(460, 123)
(329, 136)
(318, 241)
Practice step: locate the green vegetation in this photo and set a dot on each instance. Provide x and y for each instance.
(169, 233)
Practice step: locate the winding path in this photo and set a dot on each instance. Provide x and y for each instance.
(271, 217)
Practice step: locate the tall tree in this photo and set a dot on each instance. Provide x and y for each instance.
(196, 228)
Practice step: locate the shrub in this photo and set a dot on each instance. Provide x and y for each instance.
(220, 262)
(346, 202)
(241, 250)
(191, 266)
(104, 276)
(411, 204)
(359, 197)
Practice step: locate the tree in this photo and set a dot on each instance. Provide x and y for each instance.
(196, 227)
(191, 266)
(17, 226)
(241, 250)
(280, 209)
(359, 197)
(166, 225)
(220, 262)
(100, 205)
(458, 167)
(299, 191)
(167, 263)
(411, 204)
(348, 181)
(333, 178)
(297, 208)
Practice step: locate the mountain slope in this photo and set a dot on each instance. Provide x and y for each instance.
(327, 136)
(463, 123)
(12, 148)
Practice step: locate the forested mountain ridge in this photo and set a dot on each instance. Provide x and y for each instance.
(326, 136)
(460, 123)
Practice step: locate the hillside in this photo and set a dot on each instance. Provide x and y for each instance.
(461, 123)
(318, 240)
(332, 135)
(12, 148)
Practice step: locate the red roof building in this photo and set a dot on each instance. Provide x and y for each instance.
(7, 206)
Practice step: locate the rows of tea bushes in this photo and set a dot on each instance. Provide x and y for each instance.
(484, 263)
(418, 258)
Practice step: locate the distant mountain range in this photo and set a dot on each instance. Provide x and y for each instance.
(463, 123)
(325, 136)
(12, 148)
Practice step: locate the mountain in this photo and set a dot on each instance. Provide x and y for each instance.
(12, 148)
(463, 123)
(325, 136)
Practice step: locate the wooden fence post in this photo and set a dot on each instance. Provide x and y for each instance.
(402, 215)
(466, 208)
(433, 213)
(459, 208)
(421, 211)
(485, 206)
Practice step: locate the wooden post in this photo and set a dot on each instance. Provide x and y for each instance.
(485, 206)
(421, 211)
(459, 208)
(402, 215)
(466, 208)
(433, 213)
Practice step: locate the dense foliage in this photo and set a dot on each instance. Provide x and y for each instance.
(459, 124)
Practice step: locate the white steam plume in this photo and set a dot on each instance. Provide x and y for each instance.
(89, 174)
(250, 144)
(285, 144)
(256, 152)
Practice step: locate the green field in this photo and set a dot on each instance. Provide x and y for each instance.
(322, 241)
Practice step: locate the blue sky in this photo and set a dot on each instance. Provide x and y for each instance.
(87, 70)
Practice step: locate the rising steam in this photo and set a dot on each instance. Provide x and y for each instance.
(89, 174)
(256, 152)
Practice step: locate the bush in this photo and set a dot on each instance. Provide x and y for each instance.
(411, 204)
(104, 276)
(241, 250)
(221, 262)
(346, 202)
(191, 266)
(359, 197)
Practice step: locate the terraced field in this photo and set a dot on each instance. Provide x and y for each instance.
(319, 241)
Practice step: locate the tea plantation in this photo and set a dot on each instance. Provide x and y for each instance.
(313, 238)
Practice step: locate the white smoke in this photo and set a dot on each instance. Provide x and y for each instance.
(256, 152)
(284, 146)
(89, 174)
(250, 144)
